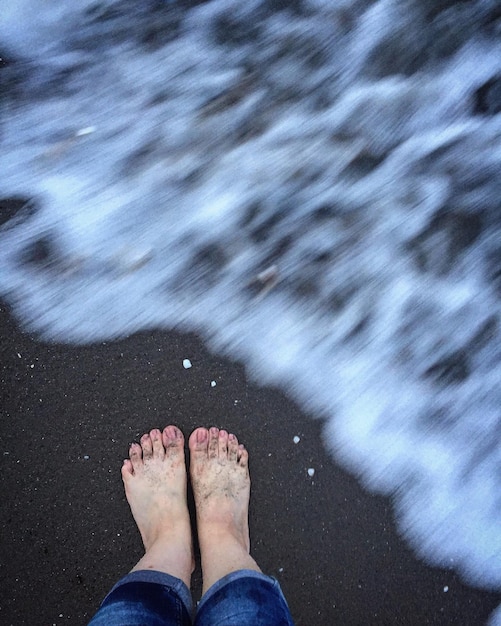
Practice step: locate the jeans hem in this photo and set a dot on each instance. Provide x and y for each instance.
(160, 578)
(242, 573)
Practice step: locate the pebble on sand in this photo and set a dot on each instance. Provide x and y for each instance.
(212, 383)
(296, 439)
(186, 364)
(311, 471)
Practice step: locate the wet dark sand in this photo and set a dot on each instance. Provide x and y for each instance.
(68, 415)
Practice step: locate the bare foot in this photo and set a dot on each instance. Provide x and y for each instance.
(221, 487)
(155, 485)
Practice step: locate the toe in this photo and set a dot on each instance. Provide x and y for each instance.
(127, 469)
(147, 446)
(223, 444)
(213, 443)
(243, 456)
(136, 456)
(173, 440)
(232, 447)
(199, 440)
(156, 442)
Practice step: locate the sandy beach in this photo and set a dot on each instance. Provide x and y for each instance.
(68, 415)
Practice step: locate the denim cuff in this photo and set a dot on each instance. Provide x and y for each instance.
(241, 573)
(160, 578)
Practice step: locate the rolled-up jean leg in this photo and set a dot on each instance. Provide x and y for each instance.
(244, 598)
(146, 597)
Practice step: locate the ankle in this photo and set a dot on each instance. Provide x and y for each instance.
(175, 530)
(224, 533)
(220, 560)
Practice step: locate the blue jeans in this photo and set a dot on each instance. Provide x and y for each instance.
(150, 598)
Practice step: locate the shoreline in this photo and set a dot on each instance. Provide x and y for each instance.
(69, 414)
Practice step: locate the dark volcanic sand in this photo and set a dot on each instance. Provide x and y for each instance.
(67, 534)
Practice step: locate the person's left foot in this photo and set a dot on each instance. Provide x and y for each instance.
(155, 485)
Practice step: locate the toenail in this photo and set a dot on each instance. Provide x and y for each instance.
(222, 433)
(213, 430)
(201, 435)
(231, 437)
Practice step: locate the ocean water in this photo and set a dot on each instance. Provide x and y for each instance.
(313, 186)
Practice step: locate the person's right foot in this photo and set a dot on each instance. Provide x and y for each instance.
(221, 488)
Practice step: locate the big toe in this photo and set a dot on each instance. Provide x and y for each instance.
(199, 442)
